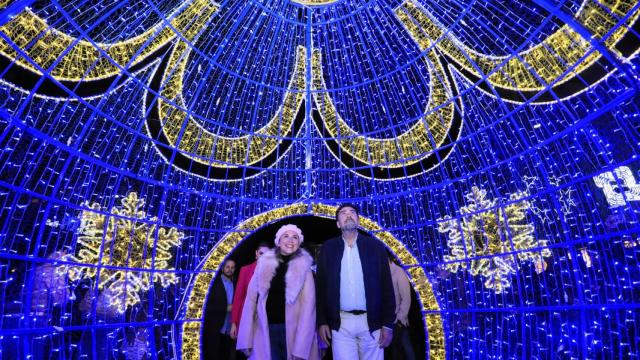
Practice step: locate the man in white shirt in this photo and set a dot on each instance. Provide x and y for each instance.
(355, 299)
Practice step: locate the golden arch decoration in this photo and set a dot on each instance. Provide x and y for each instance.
(423, 146)
(194, 149)
(314, 2)
(81, 60)
(558, 60)
(90, 69)
(562, 65)
(199, 286)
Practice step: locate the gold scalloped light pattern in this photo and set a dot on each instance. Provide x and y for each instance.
(84, 61)
(203, 146)
(407, 148)
(556, 59)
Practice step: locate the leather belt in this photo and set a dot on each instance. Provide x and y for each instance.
(355, 312)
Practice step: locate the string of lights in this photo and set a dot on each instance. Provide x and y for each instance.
(491, 146)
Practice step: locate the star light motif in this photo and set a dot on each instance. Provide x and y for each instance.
(545, 213)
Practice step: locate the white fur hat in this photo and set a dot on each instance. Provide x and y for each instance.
(288, 227)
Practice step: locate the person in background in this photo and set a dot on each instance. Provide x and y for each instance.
(246, 273)
(99, 308)
(49, 296)
(279, 315)
(216, 343)
(355, 293)
(401, 347)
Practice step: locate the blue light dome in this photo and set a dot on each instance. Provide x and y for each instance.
(492, 146)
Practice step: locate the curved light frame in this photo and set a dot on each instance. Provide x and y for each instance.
(423, 146)
(85, 66)
(561, 66)
(198, 287)
(191, 148)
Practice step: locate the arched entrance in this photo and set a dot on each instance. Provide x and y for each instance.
(240, 241)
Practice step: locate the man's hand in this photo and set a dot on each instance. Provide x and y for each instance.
(386, 335)
(233, 333)
(229, 307)
(325, 334)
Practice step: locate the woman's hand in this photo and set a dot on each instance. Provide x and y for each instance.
(233, 333)
(325, 334)
(247, 352)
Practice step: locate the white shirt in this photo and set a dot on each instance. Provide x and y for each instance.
(352, 295)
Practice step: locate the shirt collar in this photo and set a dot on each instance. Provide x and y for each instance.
(355, 242)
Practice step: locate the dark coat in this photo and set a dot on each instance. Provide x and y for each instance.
(378, 286)
(215, 310)
(214, 344)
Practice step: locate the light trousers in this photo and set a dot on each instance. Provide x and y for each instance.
(354, 341)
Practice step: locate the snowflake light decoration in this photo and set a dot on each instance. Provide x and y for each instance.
(126, 244)
(488, 235)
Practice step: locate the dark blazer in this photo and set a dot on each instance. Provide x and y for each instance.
(215, 310)
(378, 288)
(215, 345)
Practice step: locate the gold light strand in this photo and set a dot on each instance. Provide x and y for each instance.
(488, 229)
(314, 2)
(196, 298)
(216, 150)
(407, 148)
(45, 45)
(124, 242)
(549, 60)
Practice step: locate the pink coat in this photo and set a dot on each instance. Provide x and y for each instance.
(300, 309)
(240, 293)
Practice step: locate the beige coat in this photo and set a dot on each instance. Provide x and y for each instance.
(402, 290)
(300, 309)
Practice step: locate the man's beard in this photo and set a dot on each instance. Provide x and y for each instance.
(349, 225)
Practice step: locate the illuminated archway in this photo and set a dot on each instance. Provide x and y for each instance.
(199, 285)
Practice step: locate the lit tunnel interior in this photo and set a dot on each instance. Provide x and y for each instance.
(491, 145)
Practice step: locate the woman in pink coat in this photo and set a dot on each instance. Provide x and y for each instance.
(279, 316)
